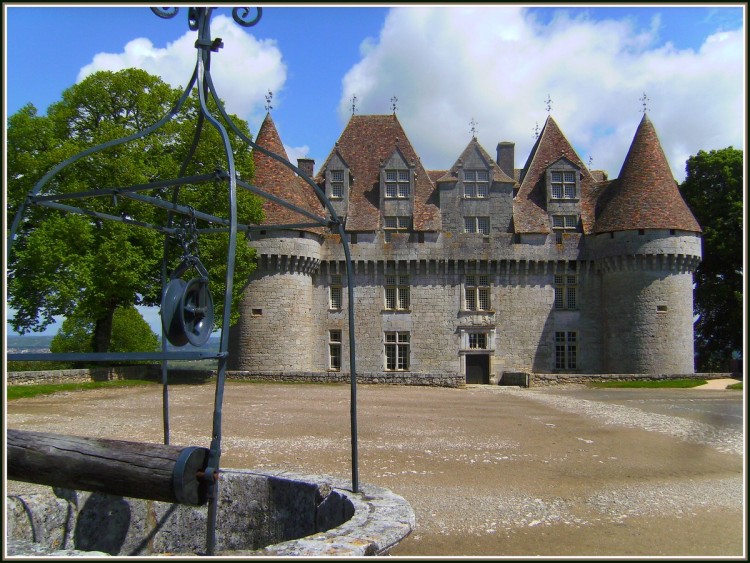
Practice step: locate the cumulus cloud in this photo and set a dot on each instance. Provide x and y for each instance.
(243, 71)
(498, 64)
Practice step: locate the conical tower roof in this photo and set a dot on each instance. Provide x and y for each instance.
(645, 195)
(273, 177)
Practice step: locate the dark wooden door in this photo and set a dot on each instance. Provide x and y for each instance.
(478, 368)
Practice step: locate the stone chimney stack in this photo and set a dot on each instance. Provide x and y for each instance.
(306, 165)
(506, 157)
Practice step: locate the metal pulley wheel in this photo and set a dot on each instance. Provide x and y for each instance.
(187, 312)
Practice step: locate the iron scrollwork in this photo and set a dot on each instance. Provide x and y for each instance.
(239, 15)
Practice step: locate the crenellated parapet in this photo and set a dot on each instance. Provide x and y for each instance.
(284, 263)
(675, 263)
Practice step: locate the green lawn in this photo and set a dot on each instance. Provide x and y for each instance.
(736, 386)
(666, 383)
(26, 391)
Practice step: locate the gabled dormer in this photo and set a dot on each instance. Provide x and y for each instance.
(338, 180)
(397, 192)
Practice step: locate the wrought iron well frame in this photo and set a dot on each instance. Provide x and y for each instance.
(198, 20)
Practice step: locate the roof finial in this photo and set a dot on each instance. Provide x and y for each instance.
(644, 100)
(268, 105)
(354, 104)
(473, 128)
(394, 100)
(548, 101)
(536, 130)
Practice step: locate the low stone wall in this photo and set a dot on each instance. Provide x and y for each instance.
(270, 513)
(395, 378)
(153, 372)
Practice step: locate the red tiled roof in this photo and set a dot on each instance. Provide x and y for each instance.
(530, 206)
(366, 141)
(645, 195)
(275, 178)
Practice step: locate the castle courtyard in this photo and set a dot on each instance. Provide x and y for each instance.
(489, 471)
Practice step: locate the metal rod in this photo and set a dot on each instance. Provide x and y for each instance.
(107, 216)
(271, 197)
(112, 356)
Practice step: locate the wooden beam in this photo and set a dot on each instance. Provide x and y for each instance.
(130, 469)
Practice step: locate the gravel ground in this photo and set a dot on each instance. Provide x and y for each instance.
(489, 471)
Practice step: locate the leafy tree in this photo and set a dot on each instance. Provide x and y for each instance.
(713, 190)
(63, 262)
(130, 333)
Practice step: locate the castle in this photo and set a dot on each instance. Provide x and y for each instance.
(474, 272)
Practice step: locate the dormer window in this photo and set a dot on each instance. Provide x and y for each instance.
(397, 184)
(337, 184)
(563, 184)
(476, 184)
(397, 223)
(562, 224)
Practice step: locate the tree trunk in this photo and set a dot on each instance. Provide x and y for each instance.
(103, 330)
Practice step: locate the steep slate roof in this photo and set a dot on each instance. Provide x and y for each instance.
(645, 195)
(275, 178)
(365, 142)
(530, 206)
(497, 174)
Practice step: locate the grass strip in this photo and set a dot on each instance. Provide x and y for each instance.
(27, 391)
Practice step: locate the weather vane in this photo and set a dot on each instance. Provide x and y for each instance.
(548, 101)
(536, 130)
(591, 160)
(644, 100)
(268, 106)
(354, 104)
(394, 101)
(473, 128)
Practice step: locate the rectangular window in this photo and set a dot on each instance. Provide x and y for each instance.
(566, 291)
(397, 292)
(566, 350)
(335, 292)
(478, 340)
(476, 183)
(477, 225)
(337, 184)
(563, 185)
(334, 349)
(396, 351)
(477, 293)
(397, 184)
(397, 222)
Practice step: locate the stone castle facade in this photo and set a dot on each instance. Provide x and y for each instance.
(473, 273)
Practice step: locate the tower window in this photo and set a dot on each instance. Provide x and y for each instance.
(334, 350)
(335, 292)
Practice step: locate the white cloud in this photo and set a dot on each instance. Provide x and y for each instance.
(243, 70)
(497, 64)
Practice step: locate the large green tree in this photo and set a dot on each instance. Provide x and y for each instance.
(713, 190)
(71, 264)
(130, 333)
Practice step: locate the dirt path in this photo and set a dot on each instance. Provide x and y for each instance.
(487, 473)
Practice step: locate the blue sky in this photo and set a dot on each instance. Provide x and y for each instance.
(447, 65)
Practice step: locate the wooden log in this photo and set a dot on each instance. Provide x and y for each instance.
(129, 469)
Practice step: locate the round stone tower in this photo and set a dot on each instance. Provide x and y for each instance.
(275, 332)
(647, 245)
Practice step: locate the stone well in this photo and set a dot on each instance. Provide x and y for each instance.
(258, 513)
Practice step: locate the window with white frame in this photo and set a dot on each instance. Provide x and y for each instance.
(478, 340)
(337, 184)
(396, 222)
(476, 183)
(397, 292)
(477, 225)
(477, 292)
(335, 291)
(396, 351)
(566, 350)
(397, 184)
(563, 184)
(334, 350)
(566, 291)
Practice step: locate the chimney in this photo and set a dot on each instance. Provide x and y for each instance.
(506, 157)
(306, 165)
